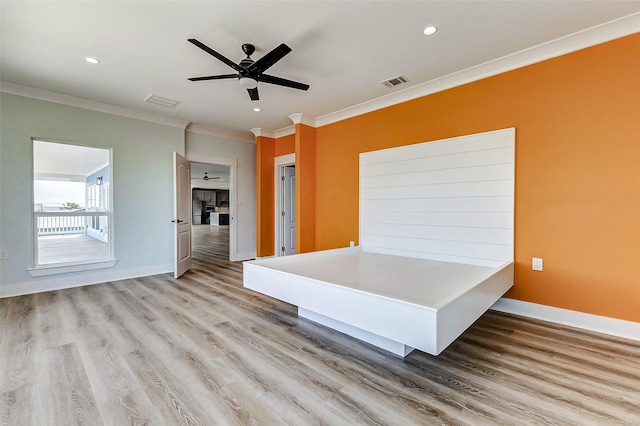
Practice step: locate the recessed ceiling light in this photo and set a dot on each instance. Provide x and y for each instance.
(430, 30)
(256, 109)
(91, 60)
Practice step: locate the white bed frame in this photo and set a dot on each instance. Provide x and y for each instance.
(436, 247)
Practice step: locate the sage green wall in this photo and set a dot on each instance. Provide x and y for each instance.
(142, 185)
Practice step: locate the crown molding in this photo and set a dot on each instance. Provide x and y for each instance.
(589, 37)
(260, 132)
(603, 33)
(286, 131)
(60, 98)
(299, 118)
(223, 134)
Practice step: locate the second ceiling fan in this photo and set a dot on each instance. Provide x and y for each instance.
(206, 177)
(250, 72)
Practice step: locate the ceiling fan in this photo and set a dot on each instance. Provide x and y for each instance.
(250, 72)
(206, 177)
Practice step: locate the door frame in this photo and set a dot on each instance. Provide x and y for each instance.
(232, 163)
(279, 163)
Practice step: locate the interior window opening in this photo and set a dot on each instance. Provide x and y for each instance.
(72, 211)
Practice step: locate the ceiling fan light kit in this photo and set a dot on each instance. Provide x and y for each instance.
(248, 82)
(250, 72)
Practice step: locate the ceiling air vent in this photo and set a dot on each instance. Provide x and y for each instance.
(396, 81)
(158, 100)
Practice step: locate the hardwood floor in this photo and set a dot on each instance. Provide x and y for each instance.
(202, 350)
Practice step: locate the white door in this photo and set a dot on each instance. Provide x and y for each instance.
(181, 214)
(289, 210)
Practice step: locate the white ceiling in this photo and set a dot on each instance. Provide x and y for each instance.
(343, 49)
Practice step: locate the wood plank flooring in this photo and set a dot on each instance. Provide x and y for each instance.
(202, 350)
(70, 248)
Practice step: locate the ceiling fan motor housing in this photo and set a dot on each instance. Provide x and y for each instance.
(246, 63)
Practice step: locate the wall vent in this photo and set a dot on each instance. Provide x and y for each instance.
(159, 100)
(395, 81)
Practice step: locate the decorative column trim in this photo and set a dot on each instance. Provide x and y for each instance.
(258, 131)
(299, 118)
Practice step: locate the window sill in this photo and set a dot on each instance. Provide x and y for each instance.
(43, 270)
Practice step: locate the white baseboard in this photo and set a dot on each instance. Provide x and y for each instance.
(600, 324)
(60, 282)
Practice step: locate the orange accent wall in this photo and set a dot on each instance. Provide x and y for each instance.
(265, 151)
(285, 145)
(577, 120)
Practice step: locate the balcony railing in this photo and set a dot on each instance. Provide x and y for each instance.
(61, 225)
(64, 223)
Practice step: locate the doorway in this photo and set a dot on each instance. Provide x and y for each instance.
(231, 165)
(285, 202)
(210, 203)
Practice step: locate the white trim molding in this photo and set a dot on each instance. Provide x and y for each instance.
(299, 118)
(60, 98)
(285, 131)
(600, 324)
(602, 33)
(81, 279)
(284, 160)
(41, 271)
(573, 42)
(260, 132)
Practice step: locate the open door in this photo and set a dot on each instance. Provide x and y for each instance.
(182, 214)
(289, 211)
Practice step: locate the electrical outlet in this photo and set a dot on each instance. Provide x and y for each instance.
(536, 264)
(151, 243)
(351, 243)
(4, 254)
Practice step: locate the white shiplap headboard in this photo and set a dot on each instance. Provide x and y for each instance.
(450, 200)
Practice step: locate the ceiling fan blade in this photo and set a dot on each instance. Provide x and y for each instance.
(264, 63)
(282, 82)
(215, 54)
(214, 77)
(253, 94)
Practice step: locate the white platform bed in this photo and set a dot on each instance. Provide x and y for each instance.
(436, 234)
